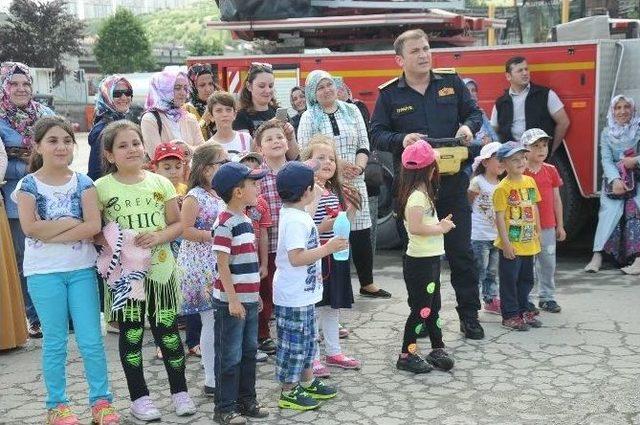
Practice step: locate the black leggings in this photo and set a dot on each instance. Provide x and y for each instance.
(362, 254)
(166, 336)
(422, 278)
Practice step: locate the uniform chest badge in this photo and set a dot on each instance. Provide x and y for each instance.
(404, 109)
(446, 91)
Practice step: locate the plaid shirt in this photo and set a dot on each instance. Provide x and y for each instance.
(269, 192)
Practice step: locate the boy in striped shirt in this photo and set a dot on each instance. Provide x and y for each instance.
(236, 296)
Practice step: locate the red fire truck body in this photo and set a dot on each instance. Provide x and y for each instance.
(584, 74)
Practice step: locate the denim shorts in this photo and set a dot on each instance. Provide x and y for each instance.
(296, 341)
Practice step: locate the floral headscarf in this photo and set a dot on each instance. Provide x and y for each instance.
(617, 130)
(21, 119)
(105, 107)
(194, 72)
(160, 96)
(314, 108)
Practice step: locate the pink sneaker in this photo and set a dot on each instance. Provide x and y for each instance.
(340, 360)
(103, 413)
(320, 370)
(493, 307)
(61, 415)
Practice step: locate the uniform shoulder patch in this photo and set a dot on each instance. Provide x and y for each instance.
(444, 71)
(387, 83)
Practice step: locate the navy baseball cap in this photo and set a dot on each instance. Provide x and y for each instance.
(510, 148)
(294, 178)
(231, 174)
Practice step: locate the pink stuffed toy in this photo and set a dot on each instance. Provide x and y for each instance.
(123, 265)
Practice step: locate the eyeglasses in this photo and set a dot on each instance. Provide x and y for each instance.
(120, 93)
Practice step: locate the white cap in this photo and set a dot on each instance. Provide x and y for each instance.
(486, 152)
(532, 135)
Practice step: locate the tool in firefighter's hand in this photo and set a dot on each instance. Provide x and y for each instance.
(451, 153)
(282, 115)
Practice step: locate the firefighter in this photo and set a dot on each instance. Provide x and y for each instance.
(426, 102)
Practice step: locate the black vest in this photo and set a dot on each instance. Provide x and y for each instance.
(536, 112)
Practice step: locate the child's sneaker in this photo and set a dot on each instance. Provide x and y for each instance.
(550, 306)
(268, 346)
(340, 360)
(261, 356)
(530, 319)
(253, 409)
(515, 324)
(531, 308)
(143, 409)
(493, 306)
(439, 359)
(297, 399)
(319, 391)
(320, 370)
(413, 363)
(102, 413)
(342, 332)
(61, 415)
(229, 418)
(183, 404)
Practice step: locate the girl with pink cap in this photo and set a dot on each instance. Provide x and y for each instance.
(418, 186)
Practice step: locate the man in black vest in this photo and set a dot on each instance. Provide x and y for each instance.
(527, 105)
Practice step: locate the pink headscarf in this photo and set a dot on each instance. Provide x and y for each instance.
(21, 119)
(160, 96)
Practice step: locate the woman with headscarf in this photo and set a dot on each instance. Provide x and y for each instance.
(203, 84)
(164, 119)
(618, 230)
(18, 114)
(343, 122)
(486, 134)
(113, 101)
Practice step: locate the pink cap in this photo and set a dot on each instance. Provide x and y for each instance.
(418, 155)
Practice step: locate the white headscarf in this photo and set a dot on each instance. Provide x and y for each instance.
(617, 130)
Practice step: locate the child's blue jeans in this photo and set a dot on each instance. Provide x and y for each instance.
(516, 282)
(58, 296)
(486, 258)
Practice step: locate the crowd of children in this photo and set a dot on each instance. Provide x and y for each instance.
(232, 233)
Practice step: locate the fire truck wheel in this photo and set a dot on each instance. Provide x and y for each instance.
(577, 210)
(387, 235)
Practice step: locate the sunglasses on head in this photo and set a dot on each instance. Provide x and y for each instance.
(120, 93)
(260, 67)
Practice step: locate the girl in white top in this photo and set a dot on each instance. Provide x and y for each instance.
(58, 211)
(222, 108)
(487, 170)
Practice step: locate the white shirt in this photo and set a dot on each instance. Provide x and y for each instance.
(483, 227)
(519, 125)
(53, 203)
(296, 286)
(238, 147)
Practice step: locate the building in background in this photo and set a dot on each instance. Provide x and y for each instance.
(97, 9)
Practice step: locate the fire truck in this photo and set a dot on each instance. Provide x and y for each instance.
(585, 74)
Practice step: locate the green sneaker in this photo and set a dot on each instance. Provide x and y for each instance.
(319, 391)
(297, 399)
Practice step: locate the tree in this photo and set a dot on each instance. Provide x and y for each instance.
(39, 34)
(122, 45)
(201, 46)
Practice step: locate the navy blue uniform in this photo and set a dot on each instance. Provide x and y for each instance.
(438, 113)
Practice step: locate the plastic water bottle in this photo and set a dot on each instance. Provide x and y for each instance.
(341, 229)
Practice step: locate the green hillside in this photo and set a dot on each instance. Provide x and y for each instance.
(179, 26)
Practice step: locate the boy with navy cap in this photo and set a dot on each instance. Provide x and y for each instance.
(515, 201)
(297, 287)
(236, 293)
